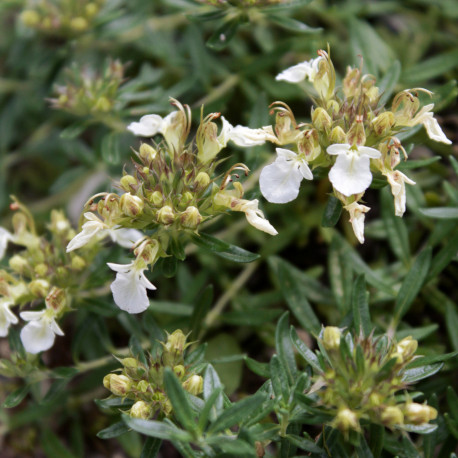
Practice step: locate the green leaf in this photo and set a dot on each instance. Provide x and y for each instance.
(419, 429)
(223, 249)
(279, 379)
(212, 383)
(419, 373)
(294, 295)
(440, 212)
(452, 401)
(74, 130)
(224, 34)
(258, 368)
(171, 308)
(451, 321)
(361, 315)
(292, 24)
(304, 444)
(432, 359)
(114, 402)
(444, 256)
(178, 397)
(210, 16)
(388, 83)
(238, 412)
(231, 446)
(332, 212)
(417, 333)
(340, 276)
(203, 304)
(111, 149)
(151, 447)
(208, 410)
(158, 429)
(377, 434)
(412, 284)
(65, 372)
(416, 164)
(16, 397)
(169, 266)
(284, 347)
(305, 352)
(53, 447)
(114, 430)
(137, 350)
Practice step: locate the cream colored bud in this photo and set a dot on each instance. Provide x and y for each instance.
(356, 134)
(127, 181)
(351, 81)
(383, 123)
(79, 24)
(119, 385)
(191, 218)
(131, 205)
(346, 420)
(392, 416)
(148, 250)
(41, 269)
(418, 414)
(166, 215)
(167, 407)
(108, 207)
(321, 119)
(375, 399)
(202, 181)
(39, 288)
(310, 145)
(18, 264)
(141, 410)
(337, 135)
(143, 386)
(156, 198)
(194, 385)
(78, 263)
(147, 153)
(179, 370)
(407, 347)
(30, 18)
(331, 338)
(373, 94)
(176, 341)
(56, 299)
(91, 10)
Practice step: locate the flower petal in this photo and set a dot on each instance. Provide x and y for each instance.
(369, 152)
(256, 218)
(279, 182)
(37, 336)
(351, 174)
(296, 73)
(125, 237)
(148, 126)
(5, 237)
(338, 148)
(89, 230)
(434, 130)
(32, 316)
(124, 268)
(305, 170)
(286, 154)
(7, 317)
(244, 136)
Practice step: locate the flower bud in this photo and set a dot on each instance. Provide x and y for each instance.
(392, 416)
(383, 123)
(418, 414)
(131, 205)
(406, 348)
(119, 385)
(194, 385)
(191, 218)
(156, 374)
(337, 135)
(373, 94)
(147, 153)
(141, 410)
(18, 264)
(41, 269)
(78, 263)
(147, 250)
(102, 105)
(356, 134)
(185, 200)
(130, 363)
(321, 119)
(325, 78)
(91, 9)
(166, 215)
(286, 126)
(127, 182)
(202, 181)
(79, 24)
(207, 140)
(332, 107)
(143, 386)
(345, 420)
(310, 145)
(351, 82)
(59, 223)
(179, 370)
(331, 338)
(156, 198)
(39, 288)
(176, 341)
(109, 206)
(30, 18)
(56, 299)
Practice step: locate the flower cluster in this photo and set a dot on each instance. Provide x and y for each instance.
(87, 93)
(55, 17)
(350, 133)
(171, 192)
(361, 379)
(144, 384)
(41, 272)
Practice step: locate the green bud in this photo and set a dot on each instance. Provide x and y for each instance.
(356, 134)
(18, 264)
(191, 218)
(59, 223)
(30, 18)
(91, 9)
(418, 414)
(119, 385)
(194, 385)
(383, 123)
(332, 106)
(337, 135)
(127, 181)
(79, 24)
(143, 386)
(346, 420)
(406, 348)
(147, 153)
(156, 374)
(156, 198)
(392, 416)
(186, 199)
(39, 288)
(331, 338)
(41, 269)
(141, 410)
(321, 119)
(131, 205)
(102, 105)
(166, 215)
(202, 181)
(179, 370)
(130, 363)
(78, 263)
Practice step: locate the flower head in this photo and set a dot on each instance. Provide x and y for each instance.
(351, 172)
(280, 181)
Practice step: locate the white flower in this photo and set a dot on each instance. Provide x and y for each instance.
(96, 228)
(243, 136)
(299, 72)
(351, 172)
(280, 181)
(357, 216)
(39, 334)
(149, 125)
(255, 216)
(397, 182)
(5, 237)
(7, 317)
(425, 117)
(129, 288)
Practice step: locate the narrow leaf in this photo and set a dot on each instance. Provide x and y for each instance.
(158, 429)
(419, 373)
(151, 447)
(305, 352)
(284, 347)
(16, 397)
(332, 212)
(114, 430)
(361, 315)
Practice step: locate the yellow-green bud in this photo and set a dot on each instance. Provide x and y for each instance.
(166, 215)
(102, 105)
(79, 24)
(406, 348)
(129, 362)
(143, 386)
(392, 416)
(309, 145)
(156, 198)
(30, 18)
(108, 207)
(337, 135)
(141, 410)
(356, 134)
(119, 385)
(148, 250)
(131, 205)
(332, 106)
(167, 407)
(345, 420)
(39, 288)
(78, 263)
(418, 414)
(350, 82)
(18, 264)
(331, 338)
(373, 94)
(41, 269)
(179, 370)
(127, 181)
(56, 299)
(375, 399)
(202, 181)
(321, 119)
(194, 385)
(186, 198)
(191, 218)
(147, 152)
(176, 341)
(383, 122)
(91, 9)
